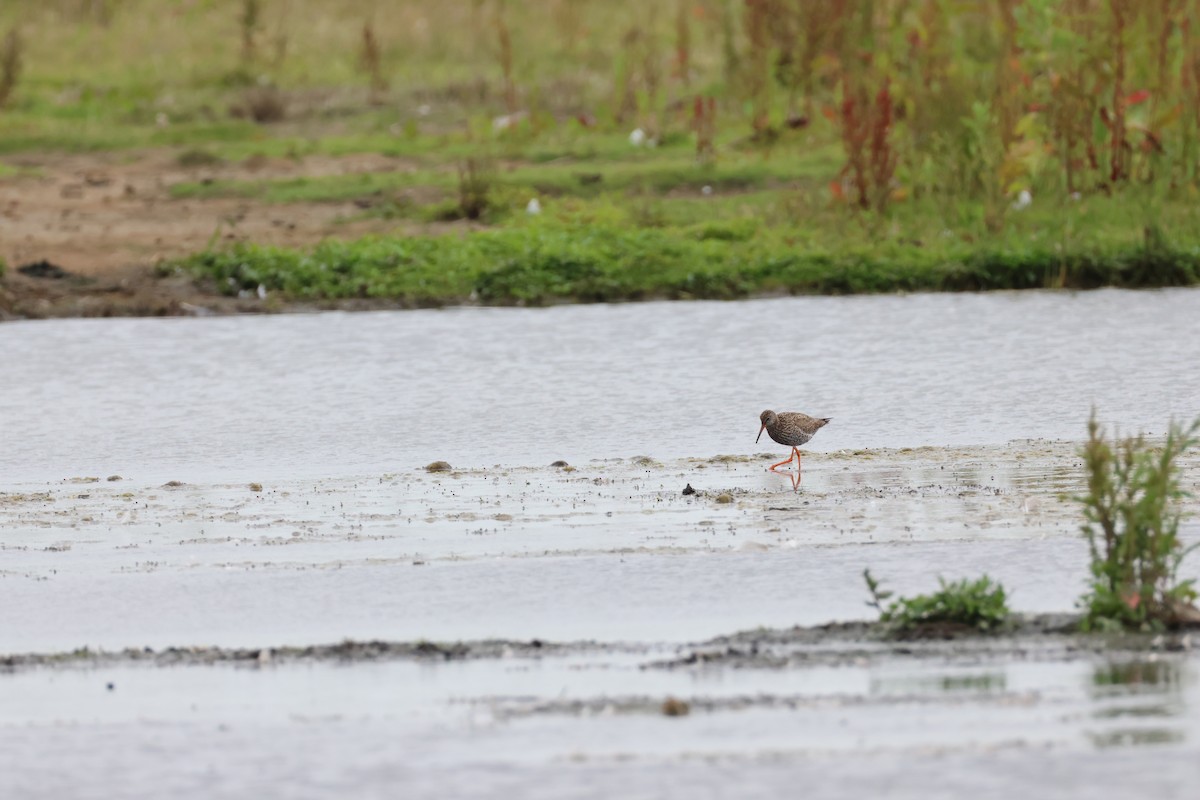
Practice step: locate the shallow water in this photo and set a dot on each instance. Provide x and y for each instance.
(335, 415)
(592, 726)
(345, 394)
(611, 551)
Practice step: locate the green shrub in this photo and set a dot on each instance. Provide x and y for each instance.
(980, 605)
(1132, 528)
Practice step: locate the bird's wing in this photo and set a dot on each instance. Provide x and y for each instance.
(804, 422)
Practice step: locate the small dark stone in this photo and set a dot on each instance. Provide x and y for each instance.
(110, 686)
(559, 463)
(688, 489)
(438, 466)
(44, 269)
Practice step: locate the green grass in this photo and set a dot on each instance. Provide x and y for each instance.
(979, 605)
(646, 230)
(574, 173)
(549, 260)
(623, 222)
(656, 224)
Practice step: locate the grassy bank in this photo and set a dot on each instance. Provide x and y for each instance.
(708, 148)
(551, 262)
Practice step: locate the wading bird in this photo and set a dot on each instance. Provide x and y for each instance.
(790, 428)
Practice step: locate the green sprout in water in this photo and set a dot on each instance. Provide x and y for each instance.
(1132, 527)
(979, 605)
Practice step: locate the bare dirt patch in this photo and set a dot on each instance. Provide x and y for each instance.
(98, 225)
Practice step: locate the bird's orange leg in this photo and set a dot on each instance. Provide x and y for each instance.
(781, 463)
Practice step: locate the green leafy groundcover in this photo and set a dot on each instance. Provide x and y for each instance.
(533, 265)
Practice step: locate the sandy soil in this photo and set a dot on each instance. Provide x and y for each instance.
(106, 220)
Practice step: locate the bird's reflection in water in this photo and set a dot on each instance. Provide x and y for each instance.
(794, 477)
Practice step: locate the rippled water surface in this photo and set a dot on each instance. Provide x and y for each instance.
(590, 727)
(298, 512)
(347, 393)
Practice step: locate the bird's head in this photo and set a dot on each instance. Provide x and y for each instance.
(768, 420)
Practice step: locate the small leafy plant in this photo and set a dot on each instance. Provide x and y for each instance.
(980, 605)
(1132, 527)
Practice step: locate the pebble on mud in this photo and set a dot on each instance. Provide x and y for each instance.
(674, 707)
(688, 489)
(256, 487)
(560, 463)
(724, 497)
(114, 478)
(438, 466)
(44, 269)
(173, 484)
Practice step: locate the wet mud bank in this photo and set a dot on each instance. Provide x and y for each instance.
(611, 550)
(343, 652)
(857, 643)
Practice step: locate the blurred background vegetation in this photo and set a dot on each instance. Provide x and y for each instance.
(1013, 142)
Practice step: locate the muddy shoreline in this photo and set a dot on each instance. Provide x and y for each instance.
(83, 235)
(832, 644)
(412, 557)
(142, 292)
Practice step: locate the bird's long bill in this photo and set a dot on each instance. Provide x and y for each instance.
(762, 428)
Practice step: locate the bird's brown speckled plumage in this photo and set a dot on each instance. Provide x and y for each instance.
(790, 428)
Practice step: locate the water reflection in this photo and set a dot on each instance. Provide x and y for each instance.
(1114, 678)
(973, 682)
(1134, 700)
(1135, 737)
(789, 477)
